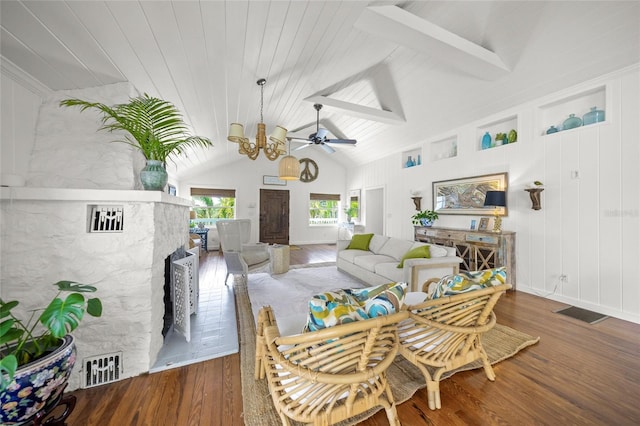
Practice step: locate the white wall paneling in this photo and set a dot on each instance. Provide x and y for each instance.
(588, 226)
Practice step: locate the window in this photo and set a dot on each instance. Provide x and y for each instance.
(324, 209)
(212, 204)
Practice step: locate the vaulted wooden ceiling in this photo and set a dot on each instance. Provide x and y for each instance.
(391, 74)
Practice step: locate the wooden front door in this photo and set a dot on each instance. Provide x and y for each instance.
(274, 216)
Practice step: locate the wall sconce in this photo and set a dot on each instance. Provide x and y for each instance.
(534, 194)
(416, 201)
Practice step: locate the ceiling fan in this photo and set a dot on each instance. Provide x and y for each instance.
(320, 136)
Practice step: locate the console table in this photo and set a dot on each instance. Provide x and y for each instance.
(478, 249)
(203, 232)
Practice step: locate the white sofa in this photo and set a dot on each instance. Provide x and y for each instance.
(378, 265)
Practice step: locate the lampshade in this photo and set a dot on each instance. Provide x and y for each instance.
(192, 215)
(289, 168)
(236, 132)
(495, 199)
(279, 134)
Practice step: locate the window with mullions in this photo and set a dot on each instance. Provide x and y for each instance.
(324, 209)
(211, 205)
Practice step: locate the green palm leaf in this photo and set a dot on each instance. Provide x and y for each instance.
(154, 126)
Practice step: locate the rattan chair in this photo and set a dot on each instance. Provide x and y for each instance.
(444, 334)
(326, 376)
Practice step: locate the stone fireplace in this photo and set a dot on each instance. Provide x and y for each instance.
(44, 230)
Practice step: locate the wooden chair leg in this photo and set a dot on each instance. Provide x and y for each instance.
(487, 367)
(433, 394)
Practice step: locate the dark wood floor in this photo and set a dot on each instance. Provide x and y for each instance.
(578, 374)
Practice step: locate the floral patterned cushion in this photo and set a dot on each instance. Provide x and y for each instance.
(333, 308)
(381, 300)
(466, 281)
(343, 306)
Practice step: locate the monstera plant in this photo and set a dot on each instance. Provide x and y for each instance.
(154, 126)
(37, 354)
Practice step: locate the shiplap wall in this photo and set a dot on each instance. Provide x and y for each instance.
(588, 227)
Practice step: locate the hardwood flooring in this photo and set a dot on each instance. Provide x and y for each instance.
(578, 374)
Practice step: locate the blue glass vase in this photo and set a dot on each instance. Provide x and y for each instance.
(593, 116)
(552, 129)
(572, 122)
(486, 141)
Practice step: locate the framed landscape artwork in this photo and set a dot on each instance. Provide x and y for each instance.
(466, 195)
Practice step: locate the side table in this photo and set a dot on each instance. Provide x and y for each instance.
(203, 232)
(279, 258)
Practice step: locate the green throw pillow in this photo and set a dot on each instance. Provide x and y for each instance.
(360, 242)
(422, 251)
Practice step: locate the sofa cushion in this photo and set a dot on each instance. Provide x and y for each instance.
(333, 308)
(466, 281)
(396, 248)
(377, 242)
(380, 300)
(389, 271)
(434, 250)
(370, 261)
(414, 253)
(350, 255)
(360, 242)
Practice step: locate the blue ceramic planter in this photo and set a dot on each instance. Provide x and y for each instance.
(154, 177)
(36, 384)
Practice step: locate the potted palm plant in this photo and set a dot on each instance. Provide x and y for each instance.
(424, 217)
(37, 355)
(155, 127)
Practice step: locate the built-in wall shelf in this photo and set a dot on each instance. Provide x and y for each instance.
(507, 126)
(412, 158)
(558, 111)
(445, 148)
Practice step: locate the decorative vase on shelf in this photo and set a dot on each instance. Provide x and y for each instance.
(486, 141)
(572, 122)
(551, 130)
(593, 116)
(154, 176)
(410, 162)
(419, 161)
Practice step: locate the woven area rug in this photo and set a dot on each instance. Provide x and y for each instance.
(500, 343)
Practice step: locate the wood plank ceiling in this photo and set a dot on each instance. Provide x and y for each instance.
(206, 56)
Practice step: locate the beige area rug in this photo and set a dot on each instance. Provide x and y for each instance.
(500, 343)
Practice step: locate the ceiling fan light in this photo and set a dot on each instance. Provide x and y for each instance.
(236, 132)
(289, 168)
(279, 135)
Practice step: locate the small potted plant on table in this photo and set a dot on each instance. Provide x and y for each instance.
(424, 218)
(35, 367)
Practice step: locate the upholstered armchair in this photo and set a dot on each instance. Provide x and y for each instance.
(240, 255)
(444, 333)
(326, 376)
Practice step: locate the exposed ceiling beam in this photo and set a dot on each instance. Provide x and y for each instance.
(406, 29)
(356, 110)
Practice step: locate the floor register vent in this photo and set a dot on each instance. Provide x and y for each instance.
(102, 369)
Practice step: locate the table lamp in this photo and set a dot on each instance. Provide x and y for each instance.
(496, 199)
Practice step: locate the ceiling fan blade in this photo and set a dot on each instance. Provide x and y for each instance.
(327, 148)
(303, 146)
(295, 138)
(343, 141)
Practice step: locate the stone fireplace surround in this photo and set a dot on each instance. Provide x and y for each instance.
(44, 230)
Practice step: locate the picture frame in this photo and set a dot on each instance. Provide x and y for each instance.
(171, 190)
(473, 224)
(465, 196)
(273, 180)
(484, 224)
